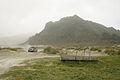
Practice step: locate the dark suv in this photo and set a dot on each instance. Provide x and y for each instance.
(32, 49)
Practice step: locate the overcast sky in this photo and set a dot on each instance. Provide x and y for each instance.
(26, 16)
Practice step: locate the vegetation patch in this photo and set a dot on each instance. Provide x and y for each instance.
(112, 52)
(12, 49)
(107, 68)
(51, 50)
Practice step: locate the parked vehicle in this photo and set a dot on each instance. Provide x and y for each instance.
(32, 49)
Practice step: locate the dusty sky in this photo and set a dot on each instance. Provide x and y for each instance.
(26, 16)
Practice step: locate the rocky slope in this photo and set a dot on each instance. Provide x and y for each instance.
(74, 30)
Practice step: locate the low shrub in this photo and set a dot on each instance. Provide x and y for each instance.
(12, 49)
(112, 52)
(51, 50)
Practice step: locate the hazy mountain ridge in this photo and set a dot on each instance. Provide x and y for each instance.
(74, 30)
(15, 40)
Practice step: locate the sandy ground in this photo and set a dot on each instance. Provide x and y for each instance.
(10, 59)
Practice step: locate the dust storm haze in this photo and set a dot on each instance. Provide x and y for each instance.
(30, 16)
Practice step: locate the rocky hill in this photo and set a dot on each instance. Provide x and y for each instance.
(74, 30)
